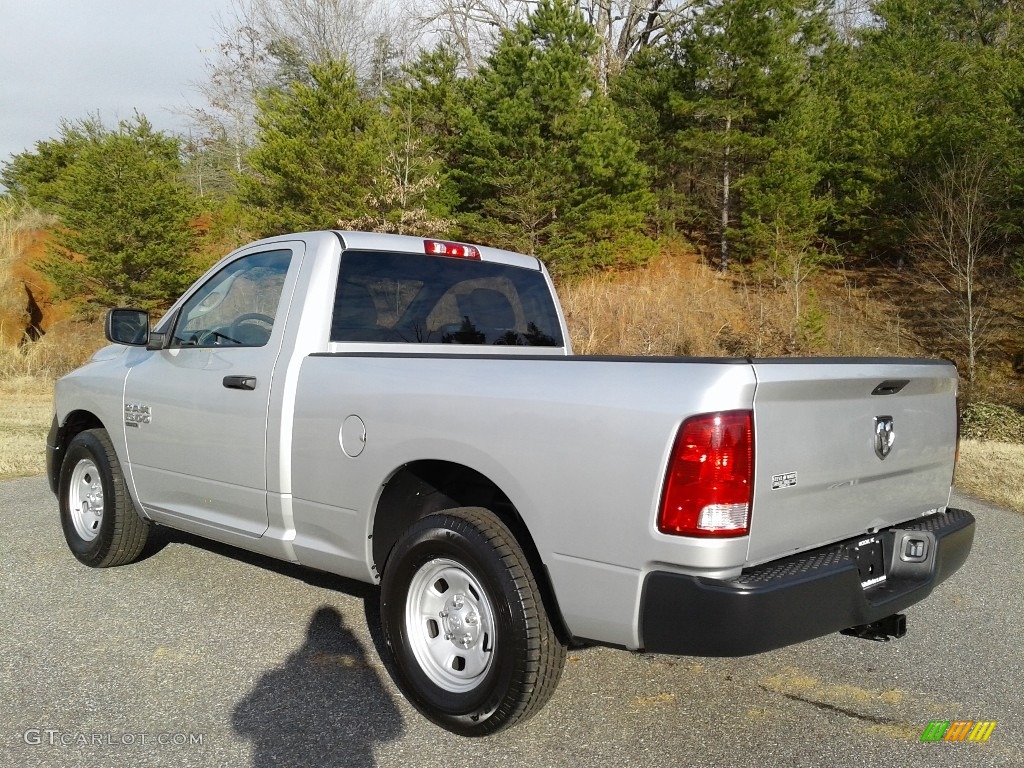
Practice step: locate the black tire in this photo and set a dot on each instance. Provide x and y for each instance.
(91, 481)
(515, 658)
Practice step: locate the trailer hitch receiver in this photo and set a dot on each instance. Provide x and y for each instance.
(882, 630)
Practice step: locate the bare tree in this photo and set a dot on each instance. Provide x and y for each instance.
(957, 244)
(625, 27)
(849, 16)
(236, 72)
(472, 26)
(323, 30)
(267, 43)
(406, 179)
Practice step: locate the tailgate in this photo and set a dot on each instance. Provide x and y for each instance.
(847, 446)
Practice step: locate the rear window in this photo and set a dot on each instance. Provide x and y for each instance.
(410, 298)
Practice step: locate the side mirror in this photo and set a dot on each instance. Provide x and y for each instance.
(127, 326)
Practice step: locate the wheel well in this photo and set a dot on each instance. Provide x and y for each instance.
(76, 422)
(425, 487)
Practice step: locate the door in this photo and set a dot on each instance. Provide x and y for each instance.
(196, 412)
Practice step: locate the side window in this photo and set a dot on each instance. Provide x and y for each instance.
(237, 306)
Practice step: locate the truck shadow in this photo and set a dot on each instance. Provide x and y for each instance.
(325, 707)
(368, 593)
(162, 537)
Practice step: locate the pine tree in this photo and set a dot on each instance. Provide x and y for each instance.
(931, 80)
(749, 67)
(125, 234)
(544, 164)
(786, 209)
(648, 92)
(313, 159)
(426, 107)
(32, 176)
(928, 162)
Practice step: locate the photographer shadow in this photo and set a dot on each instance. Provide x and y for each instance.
(325, 707)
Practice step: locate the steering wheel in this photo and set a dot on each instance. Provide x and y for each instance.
(250, 316)
(238, 332)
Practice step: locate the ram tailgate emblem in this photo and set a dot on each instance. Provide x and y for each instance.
(885, 435)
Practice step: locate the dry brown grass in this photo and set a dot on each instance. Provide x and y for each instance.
(992, 471)
(27, 373)
(678, 306)
(26, 407)
(681, 306)
(65, 347)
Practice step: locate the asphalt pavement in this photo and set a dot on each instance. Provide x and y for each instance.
(202, 655)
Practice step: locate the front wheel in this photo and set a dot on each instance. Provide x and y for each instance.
(101, 526)
(469, 639)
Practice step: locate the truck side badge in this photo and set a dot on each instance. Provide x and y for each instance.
(885, 435)
(136, 414)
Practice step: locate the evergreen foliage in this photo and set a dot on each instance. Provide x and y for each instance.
(544, 164)
(732, 103)
(434, 98)
(313, 159)
(931, 81)
(125, 234)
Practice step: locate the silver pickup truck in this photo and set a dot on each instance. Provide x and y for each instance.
(408, 412)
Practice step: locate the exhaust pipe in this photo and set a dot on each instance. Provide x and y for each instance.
(881, 630)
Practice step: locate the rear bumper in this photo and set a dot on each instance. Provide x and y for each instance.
(797, 598)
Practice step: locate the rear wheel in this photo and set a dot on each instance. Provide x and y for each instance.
(100, 523)
(470, 642)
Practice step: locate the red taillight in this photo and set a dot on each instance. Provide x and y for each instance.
(444, 248)
(710, 480)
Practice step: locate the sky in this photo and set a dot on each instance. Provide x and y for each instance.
(72, 58)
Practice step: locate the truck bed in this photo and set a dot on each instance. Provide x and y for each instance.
(579, 445)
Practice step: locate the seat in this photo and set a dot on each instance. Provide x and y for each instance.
(488, 311)
(355, 314)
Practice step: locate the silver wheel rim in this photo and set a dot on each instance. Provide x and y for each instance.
(450, 625)
(85, 499)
